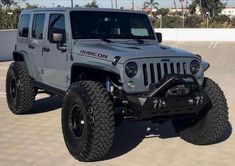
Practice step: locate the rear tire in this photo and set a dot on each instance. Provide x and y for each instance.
(20, 91)
(88, 121)
(212, 126)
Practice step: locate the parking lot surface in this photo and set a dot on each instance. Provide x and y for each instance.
(36, 139)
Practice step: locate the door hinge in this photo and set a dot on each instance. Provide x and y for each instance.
(67, 57)
(67, 79)
(71, 57)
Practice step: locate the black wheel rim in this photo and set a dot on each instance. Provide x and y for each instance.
(13, 88)
(77, 124)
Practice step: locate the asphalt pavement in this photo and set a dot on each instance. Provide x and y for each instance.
(36, 139)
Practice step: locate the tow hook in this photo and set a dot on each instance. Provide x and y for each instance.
(199, 100)
(159, 104)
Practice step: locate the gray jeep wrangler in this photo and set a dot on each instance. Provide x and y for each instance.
(110, 68)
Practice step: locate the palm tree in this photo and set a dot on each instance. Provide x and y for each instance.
(8, 3)
(186, 7)
(182, 6)
(175, 5)
(151, 4)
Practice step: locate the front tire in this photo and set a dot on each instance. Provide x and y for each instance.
(20, 91)
(88, 121)
(212, 126)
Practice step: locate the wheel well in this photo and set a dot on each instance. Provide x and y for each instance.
(92, 73)
(18, 57)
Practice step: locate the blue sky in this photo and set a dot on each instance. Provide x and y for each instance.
(107, 3)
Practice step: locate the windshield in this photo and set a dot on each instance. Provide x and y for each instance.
(111, 25)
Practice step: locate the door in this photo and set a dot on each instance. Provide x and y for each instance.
(56, 60)
(36, 43)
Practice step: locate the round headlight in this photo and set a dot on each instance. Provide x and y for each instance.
(131, 69)
(195, 67)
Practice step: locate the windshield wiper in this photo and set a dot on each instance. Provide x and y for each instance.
(106, 40)
(140, 41)
(94, 37)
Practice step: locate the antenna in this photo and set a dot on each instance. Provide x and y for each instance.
(133, 5)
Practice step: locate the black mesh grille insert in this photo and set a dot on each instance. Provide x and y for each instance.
(145, 74)
(172, 68)
(152, 73)
(159, 71)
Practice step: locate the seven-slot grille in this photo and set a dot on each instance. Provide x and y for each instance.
(154, 72)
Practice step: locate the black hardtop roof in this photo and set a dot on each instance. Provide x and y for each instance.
(79, 9)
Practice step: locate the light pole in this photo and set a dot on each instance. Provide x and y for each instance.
(72, 3)
(201, 6)
(207, 19)
(183, 16)
(175, 5)
(10, 15)
(183, 11)
(112, 4)
(160, 18)
(116, 4)
(133, 5)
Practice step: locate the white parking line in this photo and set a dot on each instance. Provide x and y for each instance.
(215, 44)
(179, 44)
(2, 93)
(210, 44)
(173, 45)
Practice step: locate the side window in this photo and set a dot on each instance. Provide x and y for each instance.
(38, 25)
(24, 25)
(56, 25)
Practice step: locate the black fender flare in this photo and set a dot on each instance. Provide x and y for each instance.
(96, 69)
(18, 56)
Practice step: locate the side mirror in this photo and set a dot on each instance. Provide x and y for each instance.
(159, 37)
(57, 38)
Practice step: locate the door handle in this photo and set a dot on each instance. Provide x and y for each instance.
(31, 46)
(46, 49)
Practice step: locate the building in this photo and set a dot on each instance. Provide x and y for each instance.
(229, 11)
(198, 10)
(178, 10)
(150, 10)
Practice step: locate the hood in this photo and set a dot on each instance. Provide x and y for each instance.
(127, 51)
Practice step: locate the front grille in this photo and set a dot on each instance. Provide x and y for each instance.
(154, 72)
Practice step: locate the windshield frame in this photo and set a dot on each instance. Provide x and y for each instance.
(149, 28)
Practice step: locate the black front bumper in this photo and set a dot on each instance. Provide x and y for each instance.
(176, 95)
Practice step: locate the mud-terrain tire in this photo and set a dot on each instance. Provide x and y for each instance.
(211, 126)
(20, 91)
(88, 121)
